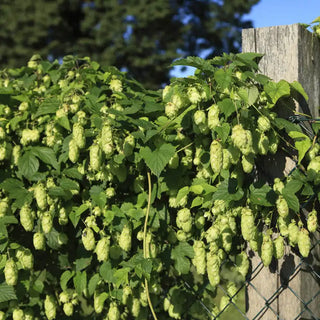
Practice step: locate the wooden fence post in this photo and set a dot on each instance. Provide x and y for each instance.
(291, 53)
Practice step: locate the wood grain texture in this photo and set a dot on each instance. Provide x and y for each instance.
(291, 53)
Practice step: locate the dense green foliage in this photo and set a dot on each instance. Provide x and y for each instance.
(142, 36)
(111, 193)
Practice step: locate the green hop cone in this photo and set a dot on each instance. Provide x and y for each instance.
(39, 241)
(17, 314)
(27, 218)
(102, 249)
(242, 263)
(88, 239)
(25, 257)
(304, 242)
(113, 313)
(125, 238)
(278, 247)
(213, 117)
(216, 156)
(293, 233)
(199, 117)
(242, 139)
(28, 314)
(50, 307)
(266, 250)
(98, 301)
(199, 260)
(312, 221)
(16, 153)
(11, 272)
(282, 206)
(278, 186)
(46, 222)
(247, 224)
(40, 196)
(95, 157)
(247, 162)
(2, 315)
(68, 309)
(4, 206)
(263, 124)
(135, 307)
(63, 217)
(128, 145)
(73, 151)
(78, 135)
(213, 268)
(29, 136)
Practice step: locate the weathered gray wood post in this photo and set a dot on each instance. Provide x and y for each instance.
(291, 53)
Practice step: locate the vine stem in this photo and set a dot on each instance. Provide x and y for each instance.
(145, 252)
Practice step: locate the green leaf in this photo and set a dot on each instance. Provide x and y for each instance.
(263, 196)
(15, 188)
(80, 282)
(182, 193)
(28, 164)
(223, 131)
(64, 122)
(48, 106)
(7, 293)
(303, 144)
(76, 213)
(64, 279)
(92, 284)
(195, 62)
(73, 173)
(180, 255)
(121, 276)
(228, 190)
(292, 200)
(227, 107)
(98, 196)
(106, 272)
(277, 90)
(46, 155)
(157, 160)
(298, 87)
(68, 184)
(249, 95)
(83, 263)
(197, 201)
(223, 78)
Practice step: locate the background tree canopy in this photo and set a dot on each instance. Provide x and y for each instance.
(139, 36)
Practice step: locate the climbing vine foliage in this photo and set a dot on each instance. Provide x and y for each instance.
(121, 203)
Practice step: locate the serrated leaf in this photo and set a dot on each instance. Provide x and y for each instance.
(64, 279)
(227, 107)
(302, 145)
(98, 196)
(28, 164)
(182, 193)
(195, 62)
(106, 272)
(277, 90)
(228, 190)
(298, 87)
(68, 184)
(157, 160)
(292, 200)
(263, 196)
(121, 276)
(83, 263)
(92, 284)
(223, 78)
(15, 188)
(224, 130)
(249, 95)
(76, 213)
(73, 173)
(7, 293)
(197, 201)
(64, 122)
(180, 255)
(46, 155)
(80, 282)
(48, 106)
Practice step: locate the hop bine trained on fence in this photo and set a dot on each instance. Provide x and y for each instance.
(120, 203)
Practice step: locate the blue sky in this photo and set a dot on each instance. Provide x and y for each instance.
(269, 13)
